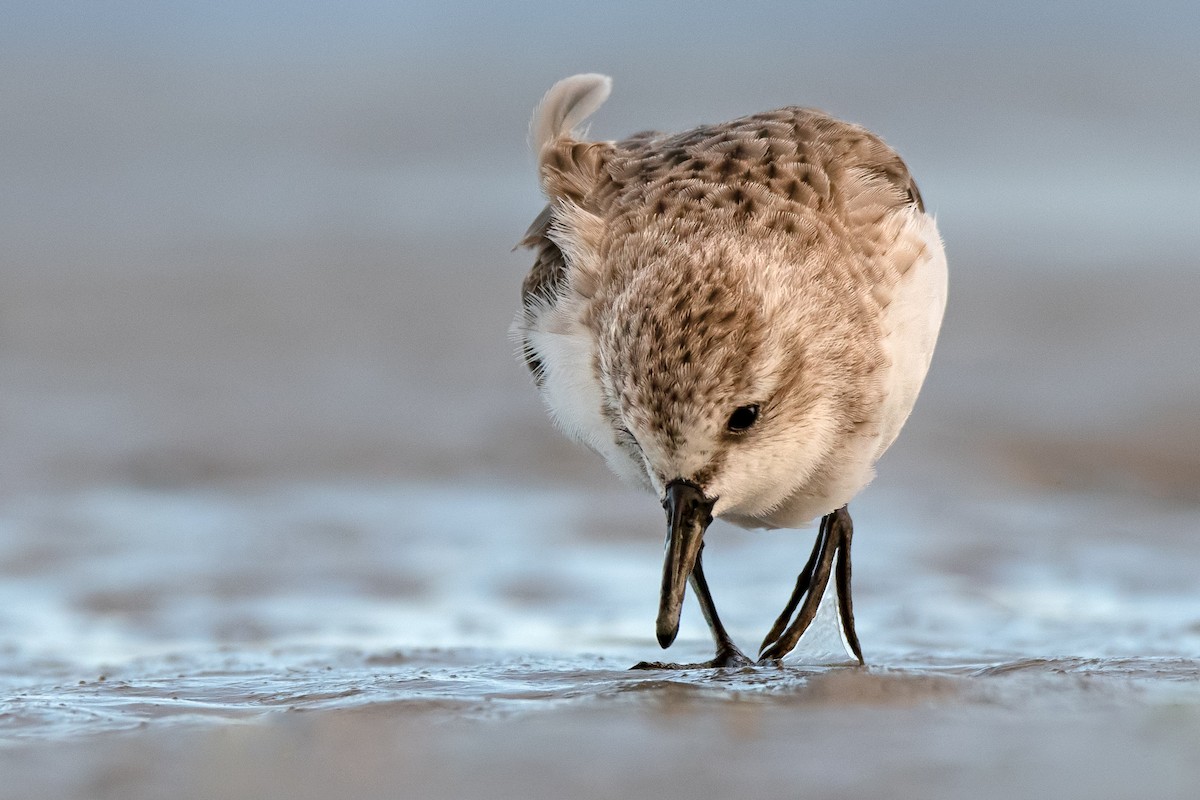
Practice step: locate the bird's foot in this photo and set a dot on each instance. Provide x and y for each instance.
(728, 657)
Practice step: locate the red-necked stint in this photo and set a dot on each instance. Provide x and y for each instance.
(738, 318)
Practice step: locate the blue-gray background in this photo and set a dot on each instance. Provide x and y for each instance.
(271, 239)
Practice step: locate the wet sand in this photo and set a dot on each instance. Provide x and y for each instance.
(915, 738)
(431, 641)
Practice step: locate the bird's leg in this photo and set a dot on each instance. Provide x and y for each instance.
(833, 539)
(728, 654)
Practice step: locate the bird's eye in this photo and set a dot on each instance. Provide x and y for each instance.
(742, 418)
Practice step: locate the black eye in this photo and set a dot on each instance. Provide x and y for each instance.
(742, 418)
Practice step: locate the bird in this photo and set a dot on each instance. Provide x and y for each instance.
(737, 318)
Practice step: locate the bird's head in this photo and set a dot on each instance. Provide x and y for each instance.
(727, 387)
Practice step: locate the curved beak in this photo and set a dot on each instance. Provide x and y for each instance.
(689, 513)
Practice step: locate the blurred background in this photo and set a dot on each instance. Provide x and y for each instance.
(256, 278)
(271, 241)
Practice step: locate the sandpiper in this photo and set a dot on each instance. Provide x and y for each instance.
(738, 318)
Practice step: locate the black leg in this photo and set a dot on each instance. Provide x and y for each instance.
(728, 655)
(845, 603)
(833, 539)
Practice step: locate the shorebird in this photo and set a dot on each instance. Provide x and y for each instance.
(737, 318)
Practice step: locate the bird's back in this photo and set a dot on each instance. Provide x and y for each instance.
(796, 177)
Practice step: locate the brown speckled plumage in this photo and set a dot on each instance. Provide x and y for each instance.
(680, 276)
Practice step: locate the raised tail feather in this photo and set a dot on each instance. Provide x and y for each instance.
(568, 103)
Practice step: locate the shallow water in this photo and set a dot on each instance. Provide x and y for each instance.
(133, 608)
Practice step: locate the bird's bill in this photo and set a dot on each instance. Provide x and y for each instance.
(689, 513)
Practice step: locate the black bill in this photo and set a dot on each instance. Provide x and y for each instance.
(689, 513)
